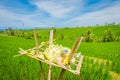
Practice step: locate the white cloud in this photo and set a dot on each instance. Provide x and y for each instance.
(60, 13)
(12, 19)
(109, 14)
(55, 9)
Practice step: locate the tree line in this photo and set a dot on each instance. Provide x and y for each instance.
(19, 33)
(108, 36)
(89, 36)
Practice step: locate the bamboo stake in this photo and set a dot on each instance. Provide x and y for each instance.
(61, 74)
(51, 37)
(49, 66)
(36, 42)
(74, 49)
(37, 51)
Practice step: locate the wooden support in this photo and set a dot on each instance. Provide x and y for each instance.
(61, 74)
(36, 42)
(42, 72)
(49, 66)
(79, 65)
(37, 51)
(74, 49)
(51, 37)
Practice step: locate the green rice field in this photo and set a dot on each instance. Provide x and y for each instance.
(101, 59)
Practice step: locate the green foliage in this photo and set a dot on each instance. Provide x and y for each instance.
(108, 36)
(62, 37)
(29, 35)
(19, 33)
(117, 33)
(66, 28)
(26, 68)
(117, 39)
(89, 36)
(10, 32)
(97, 33)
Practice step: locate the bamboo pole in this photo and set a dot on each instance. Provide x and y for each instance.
(37, 51)
(36, 42)
(49, 66)
(61, 74)
(51, 37)
(74, 49)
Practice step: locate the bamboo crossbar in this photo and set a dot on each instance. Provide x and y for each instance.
(57, 65)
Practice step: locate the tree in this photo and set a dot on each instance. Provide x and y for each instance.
(9, 31)
(28, 35)
(108, 36)
(89, 36)
(19, 33)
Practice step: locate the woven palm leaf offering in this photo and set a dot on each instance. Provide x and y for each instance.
(57, 55)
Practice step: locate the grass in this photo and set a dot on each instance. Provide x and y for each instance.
(72, 33)
(96, 64)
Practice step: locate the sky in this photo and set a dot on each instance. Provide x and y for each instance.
(27, 14)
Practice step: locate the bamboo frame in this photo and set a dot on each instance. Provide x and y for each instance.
(57, 65)
(64, 67)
